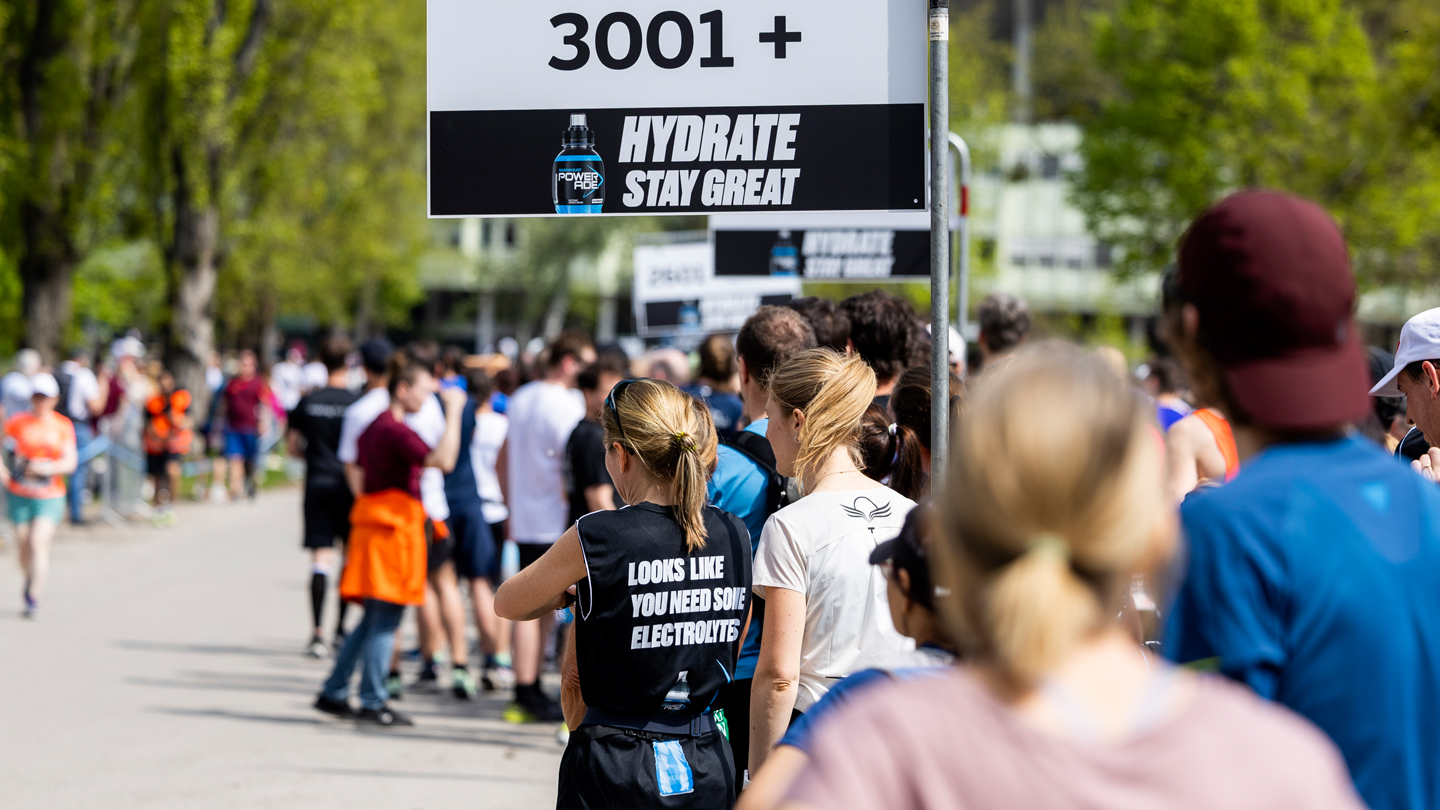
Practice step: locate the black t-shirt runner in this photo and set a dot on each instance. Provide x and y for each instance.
(318, 417)
(657, 629)
(584, 466)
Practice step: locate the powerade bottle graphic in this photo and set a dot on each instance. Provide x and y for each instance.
(784, 258)
(678, 698)
(578, 183)
(690, 317)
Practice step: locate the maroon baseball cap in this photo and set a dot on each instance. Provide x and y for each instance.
(1270, 276)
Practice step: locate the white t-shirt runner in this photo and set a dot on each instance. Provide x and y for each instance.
(820, 546)
(542, 417)
(490, 431)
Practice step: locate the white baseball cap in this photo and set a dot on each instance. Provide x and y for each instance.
(45, 385)
(1419, 340)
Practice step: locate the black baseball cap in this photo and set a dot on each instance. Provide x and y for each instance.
(375, 354)
(907, 550)
(1270, 276)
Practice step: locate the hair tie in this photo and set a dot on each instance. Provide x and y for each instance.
(893, 427)
(679, 440)
(1050, 544)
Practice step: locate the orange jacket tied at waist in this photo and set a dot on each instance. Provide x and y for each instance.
(386, 555)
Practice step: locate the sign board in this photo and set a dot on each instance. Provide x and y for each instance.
(548, 107)
(823, 247)
(677, 292)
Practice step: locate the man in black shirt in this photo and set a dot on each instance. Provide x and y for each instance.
(587, 482)
(315, 434)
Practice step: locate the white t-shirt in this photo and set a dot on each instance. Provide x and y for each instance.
(314, 376)
(490, 430)
(83, 388)
(357, 417)
(820, 546)
(542, 417)
(286, 379)
(15, 392)
(429, 424)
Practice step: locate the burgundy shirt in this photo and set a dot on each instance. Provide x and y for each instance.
(392, 456)
(242, 404)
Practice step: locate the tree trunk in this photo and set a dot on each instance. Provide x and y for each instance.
(46, 266)
(194, 251)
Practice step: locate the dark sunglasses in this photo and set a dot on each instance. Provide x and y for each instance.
(610, 403)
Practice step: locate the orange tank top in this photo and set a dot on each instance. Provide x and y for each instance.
(1224, 437)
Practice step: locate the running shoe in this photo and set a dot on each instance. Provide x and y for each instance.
(339, 708)
(498, 678)
(393, 687)
(543, 710)
(428, 680)
(463, 684)
(317, 648)
(30, 606)
(384, 716)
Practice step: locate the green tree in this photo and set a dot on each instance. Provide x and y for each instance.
(65, 66)
(1217, 95)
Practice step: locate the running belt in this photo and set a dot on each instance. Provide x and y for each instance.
(693, 726)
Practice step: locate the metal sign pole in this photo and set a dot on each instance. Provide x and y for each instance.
(939, 242)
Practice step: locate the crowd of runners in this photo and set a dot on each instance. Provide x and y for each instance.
(1212, 581)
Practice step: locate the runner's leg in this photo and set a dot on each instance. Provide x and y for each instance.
(322, 563)
(452, 616)
(41, 531)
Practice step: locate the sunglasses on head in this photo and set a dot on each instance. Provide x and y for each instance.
(610, 403)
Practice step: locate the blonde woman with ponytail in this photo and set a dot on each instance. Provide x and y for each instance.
(1039, 533)
(826, 609)
(660, 591)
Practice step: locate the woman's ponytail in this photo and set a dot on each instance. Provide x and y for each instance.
(673, 435)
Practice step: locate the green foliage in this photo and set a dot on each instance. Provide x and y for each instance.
(1217, 95)
(117, 287)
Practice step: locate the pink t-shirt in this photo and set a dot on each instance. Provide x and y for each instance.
(947, 743)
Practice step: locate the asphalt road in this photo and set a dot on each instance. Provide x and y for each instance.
(165, 670)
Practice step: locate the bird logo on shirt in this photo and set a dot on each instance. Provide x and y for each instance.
(869, 512)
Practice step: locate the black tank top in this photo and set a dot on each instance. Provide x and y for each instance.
(657, 629)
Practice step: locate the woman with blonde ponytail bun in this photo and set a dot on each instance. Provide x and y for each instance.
(660, 590)
(1039, 531)
(826, 607)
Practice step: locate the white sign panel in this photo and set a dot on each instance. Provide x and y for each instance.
(548, 107)
(677, 292)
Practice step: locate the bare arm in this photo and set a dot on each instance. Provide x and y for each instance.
(1192, 456)
(572, 702)
(769, 786)
(541, 588)
(97, 405)
(447, 452)
(777, 672)
(355, 477)
(502, 469)
(295, 443)
(600, 497)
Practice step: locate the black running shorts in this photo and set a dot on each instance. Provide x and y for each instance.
(327, 515)
(439, 550)
(607, 767)
(530, 552)
(476, 545)
(157, 464)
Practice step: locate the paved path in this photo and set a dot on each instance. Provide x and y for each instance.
(165, 671)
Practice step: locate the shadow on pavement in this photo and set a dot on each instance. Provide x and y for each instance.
(467, 777)
(204, 649)
(544, 744)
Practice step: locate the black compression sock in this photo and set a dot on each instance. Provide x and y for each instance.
(340, 622)
(318, 585)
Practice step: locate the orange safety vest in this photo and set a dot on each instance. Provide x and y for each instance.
(163, 436)
(386, 554)
(1224, 437)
